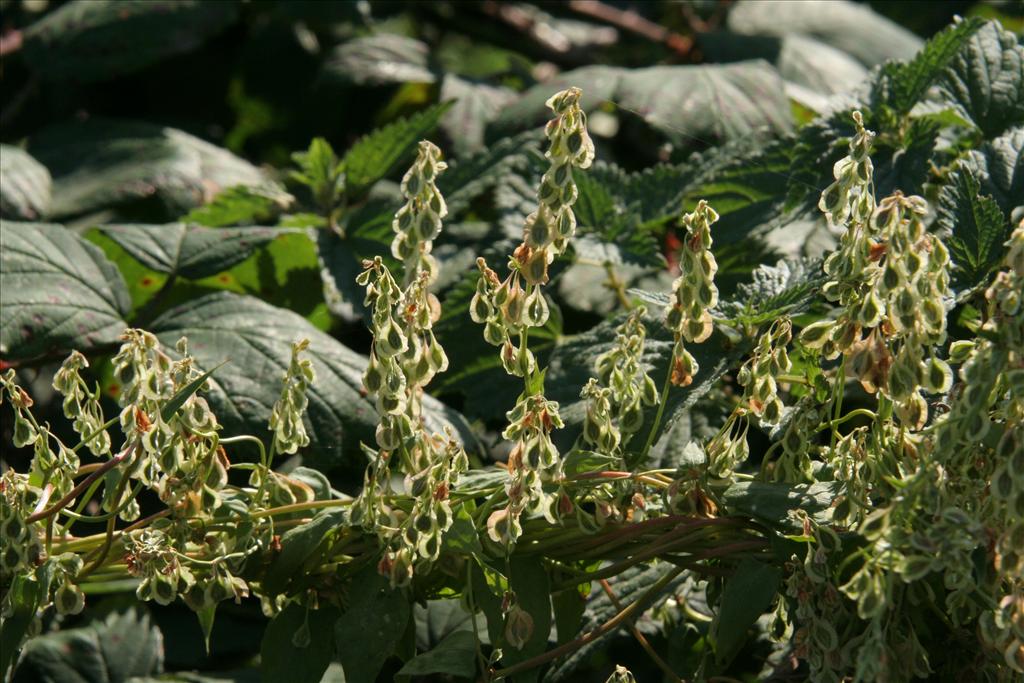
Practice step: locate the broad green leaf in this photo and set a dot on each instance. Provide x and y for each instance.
(999, 167)
(121, 646)
(455, 655)
(240, 205)
(849, 26)
(462, 537)
(24, 185)
(379, 59)
(99, 163)
(440, 618)
(256, 338)
(374, 156)
(57, 293)
(371, 626)
(985, 80)
(297, 545)
(298, 644)
(190, 251)
(707, 101)
(976, 225)
(474, 106)
(86, 41)
(901, 85)
(771, 502)
(529, 579)
(747, 594)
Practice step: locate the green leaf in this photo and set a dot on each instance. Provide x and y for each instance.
(852, 27)
(374, 156)
(901, 85)
(298, 545)
(257, 338)
(206, 617)
(999, 167)
(95, 40)
(783, 289)
(466, 179)
(57, 293)
(192, 252)
(706, 101)
(178, 400)
(379, 59)
(462, 537)
(976, 224)
(24, 185)
(474, 106)
(529, 579)
(440, 618)
(771, 502)
(569, 606)
(25, 593)
(371, 626)
(985, 80)
(747, 594)
(455, 655)
(298, 644)
(98, 164)
(240, 205)
(367, 233)
(121, 646)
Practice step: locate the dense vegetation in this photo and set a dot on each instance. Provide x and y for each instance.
(682, 339)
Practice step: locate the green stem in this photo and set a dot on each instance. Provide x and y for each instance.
(86, 483)
(666, 385)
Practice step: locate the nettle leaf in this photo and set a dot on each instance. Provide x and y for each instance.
(241, 205)
(901, 85)
(475, 105)
(977, 227)
(985, 80)
(98, 164)
(455, 655)
(298, 644)
(367, 233)
(783, 289)
(121, 646)
(999, 167)
(374, 156)
(371, 626)
(256, 338)
(190, 251)
(57, 293)
(86, 42)
(466, 179)
(706, 101)
(379, 59)
(747, 594)
(849, 26)
(24, 185)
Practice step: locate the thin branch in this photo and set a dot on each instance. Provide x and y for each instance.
(662, 664)
(629, 20)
